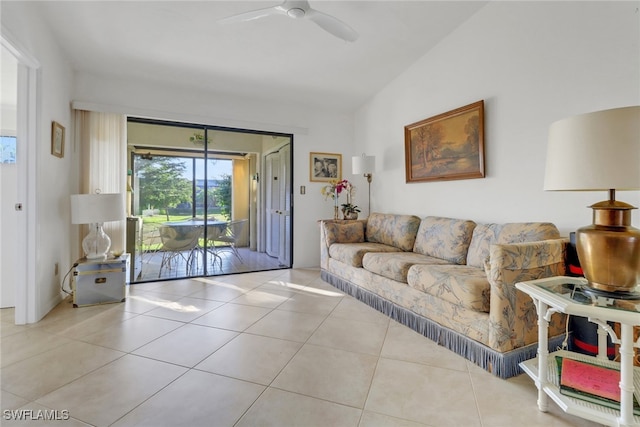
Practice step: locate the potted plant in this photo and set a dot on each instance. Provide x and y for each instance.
(198, 139)
(333, 190)
(350, 211)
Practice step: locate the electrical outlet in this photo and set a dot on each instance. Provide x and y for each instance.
(55, 269)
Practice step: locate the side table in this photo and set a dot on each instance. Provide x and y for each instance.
(565, 295)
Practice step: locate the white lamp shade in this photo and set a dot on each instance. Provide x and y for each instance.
(363, 164)
(595, 151)
(97, 208)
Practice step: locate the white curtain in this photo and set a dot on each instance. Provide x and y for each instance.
(103, 166)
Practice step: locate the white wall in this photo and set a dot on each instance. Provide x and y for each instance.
(54, 180)
(313, 130)
(533, 63)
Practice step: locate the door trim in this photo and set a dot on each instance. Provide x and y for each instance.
(26, 297)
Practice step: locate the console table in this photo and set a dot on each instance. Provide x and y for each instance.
(566, 295)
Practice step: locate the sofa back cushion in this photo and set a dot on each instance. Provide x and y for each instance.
(444, 238)
(395, 230)
(486, 235)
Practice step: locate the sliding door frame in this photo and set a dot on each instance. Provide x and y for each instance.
(260, 202)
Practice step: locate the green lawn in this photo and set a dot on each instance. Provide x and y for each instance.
(150, 237)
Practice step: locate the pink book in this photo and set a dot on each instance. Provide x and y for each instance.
(588, 378)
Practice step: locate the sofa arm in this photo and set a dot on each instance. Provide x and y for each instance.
(324, 248)
(512, 315)
(339, 231)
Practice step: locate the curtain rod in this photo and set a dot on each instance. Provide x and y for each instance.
(186, 117)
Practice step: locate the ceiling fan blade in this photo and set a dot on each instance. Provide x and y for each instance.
(332, 25)
(254, 14)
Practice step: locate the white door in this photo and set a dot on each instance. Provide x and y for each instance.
(12, 222)
(23, 273)
(272, 163)
(284, 256)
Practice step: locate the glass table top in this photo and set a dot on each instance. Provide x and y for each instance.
(580, 293)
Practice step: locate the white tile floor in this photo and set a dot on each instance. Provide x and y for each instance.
(277, 348)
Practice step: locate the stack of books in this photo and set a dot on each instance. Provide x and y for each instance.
(592, 383)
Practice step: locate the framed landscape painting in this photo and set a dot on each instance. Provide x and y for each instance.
(324, 167)
(447, 146)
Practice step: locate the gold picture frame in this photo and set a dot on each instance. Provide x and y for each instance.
(57, 139)
(447, 146)
(324, 167)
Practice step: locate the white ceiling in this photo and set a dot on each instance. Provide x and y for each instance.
(274, 58)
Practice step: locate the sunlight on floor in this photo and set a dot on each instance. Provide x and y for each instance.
(171, 305)
(290, 285)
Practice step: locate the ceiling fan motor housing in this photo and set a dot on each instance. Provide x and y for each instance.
(296, 13)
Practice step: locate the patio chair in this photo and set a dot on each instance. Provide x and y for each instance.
(229, 240)
(215, 230)
(182, 241)
(150, 241)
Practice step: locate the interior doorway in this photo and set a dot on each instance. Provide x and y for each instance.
(10, 164)
(19, 214)
(197, 202)
(278, 203)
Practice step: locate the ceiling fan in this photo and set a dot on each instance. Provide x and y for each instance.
(298, 9)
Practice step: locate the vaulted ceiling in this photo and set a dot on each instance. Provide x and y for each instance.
(275, 57)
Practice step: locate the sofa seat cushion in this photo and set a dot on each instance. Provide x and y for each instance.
(393, 230)
(352, 253)
(444, 238)
(458, 284)
(394, 265)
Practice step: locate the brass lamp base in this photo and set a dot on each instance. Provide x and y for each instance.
(609, 249)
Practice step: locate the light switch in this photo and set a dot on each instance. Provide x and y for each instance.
(303, 189)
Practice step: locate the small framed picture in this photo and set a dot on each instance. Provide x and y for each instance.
(57, 139)
(324, 167)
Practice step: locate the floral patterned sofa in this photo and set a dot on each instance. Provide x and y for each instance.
(451, 280)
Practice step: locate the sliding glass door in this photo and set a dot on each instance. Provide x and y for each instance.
(198, 203)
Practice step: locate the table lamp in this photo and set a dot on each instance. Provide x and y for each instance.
(600, 151)
(96, 209)
(364, 165)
